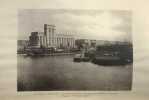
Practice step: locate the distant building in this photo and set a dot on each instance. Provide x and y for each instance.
(105, 42)
(49, 38)
(65, 41)
(36, 40)
(102, 42)
(85, 43)
(21, 45)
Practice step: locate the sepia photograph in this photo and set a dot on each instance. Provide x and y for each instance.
(74, 50)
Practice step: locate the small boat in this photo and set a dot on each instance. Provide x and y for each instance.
(80, 57)
(77, 58)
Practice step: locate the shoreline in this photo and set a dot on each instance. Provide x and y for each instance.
(52, 54)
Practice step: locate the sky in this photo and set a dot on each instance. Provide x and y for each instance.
(112, 25)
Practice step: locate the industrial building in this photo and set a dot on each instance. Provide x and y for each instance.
(49, 38)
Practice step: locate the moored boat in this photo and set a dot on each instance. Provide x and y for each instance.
(80, 57)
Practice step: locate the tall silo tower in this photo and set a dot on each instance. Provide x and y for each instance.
(49, 32)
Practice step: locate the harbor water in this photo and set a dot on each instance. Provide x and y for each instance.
(58, 73)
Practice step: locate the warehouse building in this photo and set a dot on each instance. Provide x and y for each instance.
(49, 38)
